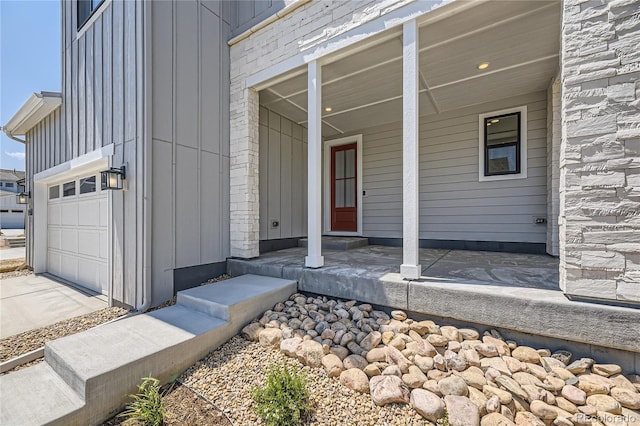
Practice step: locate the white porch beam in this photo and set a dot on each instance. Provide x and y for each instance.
(410, 268)
(314, 257)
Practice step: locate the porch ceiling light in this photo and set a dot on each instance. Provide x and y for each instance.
(494, 121)
(23, 198)
(483, 66)
(113, 178)
(328, 109)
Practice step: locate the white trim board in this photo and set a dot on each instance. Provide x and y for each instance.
(95, 15)
(37, 107)
(326, 159)
(87, 162)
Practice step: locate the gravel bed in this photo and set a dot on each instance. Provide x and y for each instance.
(13, 274)
(227, 375)
(19, 344)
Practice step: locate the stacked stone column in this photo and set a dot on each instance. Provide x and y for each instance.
(600, 150)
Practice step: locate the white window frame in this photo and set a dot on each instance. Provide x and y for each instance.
(93, 17)
(523, 145)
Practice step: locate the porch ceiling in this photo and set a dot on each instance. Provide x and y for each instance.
(519, 39)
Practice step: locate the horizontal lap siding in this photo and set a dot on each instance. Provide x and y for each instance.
(454, 205)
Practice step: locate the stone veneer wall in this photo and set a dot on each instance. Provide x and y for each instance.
(600, 151)
(304, 29)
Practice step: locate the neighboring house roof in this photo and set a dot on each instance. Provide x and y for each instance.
(7, 175)
(4, 193)
(37, 107)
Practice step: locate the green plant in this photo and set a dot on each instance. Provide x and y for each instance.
(444, 421)
(146, 407)
(284, 399)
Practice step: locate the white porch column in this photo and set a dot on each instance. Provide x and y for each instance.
(410, 268)
(314, 257)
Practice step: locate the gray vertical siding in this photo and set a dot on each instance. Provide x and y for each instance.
(283, 177)
(190, 142)
(102, 92)
(244, 14)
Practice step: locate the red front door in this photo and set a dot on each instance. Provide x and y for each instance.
(344, 186)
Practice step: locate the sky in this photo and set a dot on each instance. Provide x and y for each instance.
(30, 57)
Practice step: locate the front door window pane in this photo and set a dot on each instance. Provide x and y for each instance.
(350, 166)
(339, 165)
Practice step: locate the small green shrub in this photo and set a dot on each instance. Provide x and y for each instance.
(284, 399)
(444, 421)
(147, 407)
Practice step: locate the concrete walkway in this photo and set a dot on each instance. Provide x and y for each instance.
(12, 253)
(86, 377)
(35, 301)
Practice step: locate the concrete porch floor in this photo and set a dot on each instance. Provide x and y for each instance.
(516, 293)
(456, 266)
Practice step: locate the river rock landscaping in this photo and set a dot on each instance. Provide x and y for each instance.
(427, 372)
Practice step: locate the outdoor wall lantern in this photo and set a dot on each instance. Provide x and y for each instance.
(112, 178)
(23, 197)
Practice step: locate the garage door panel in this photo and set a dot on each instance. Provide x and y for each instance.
(69, 242)
(53, 216)
(69, 267)
(89, 275)
(54, 238)
(54, 263)
(104, 245)
(78, 246)
(69, 214)
(89, 243)
(104, 212)
(89, 213)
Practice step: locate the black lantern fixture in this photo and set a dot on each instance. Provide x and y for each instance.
(113, 178)
(23, 198)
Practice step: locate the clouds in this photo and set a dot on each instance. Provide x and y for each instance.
(17, 155)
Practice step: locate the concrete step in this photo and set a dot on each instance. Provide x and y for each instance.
(237, 299)
(35, 395)
(103, 365)
(16, 241)
(338, 243)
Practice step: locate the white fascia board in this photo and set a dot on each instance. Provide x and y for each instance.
(37, 107)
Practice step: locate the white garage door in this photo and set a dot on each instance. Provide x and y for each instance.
(78, 231)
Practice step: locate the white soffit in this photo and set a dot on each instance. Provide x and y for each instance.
(520, 40)
(37, 107)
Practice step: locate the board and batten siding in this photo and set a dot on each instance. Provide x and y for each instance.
(454, 205)
(244, 14)
(190, 137)
(102, 104)
(283, 177)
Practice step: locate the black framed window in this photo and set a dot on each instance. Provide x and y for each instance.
(86, 9)
(502, 144)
